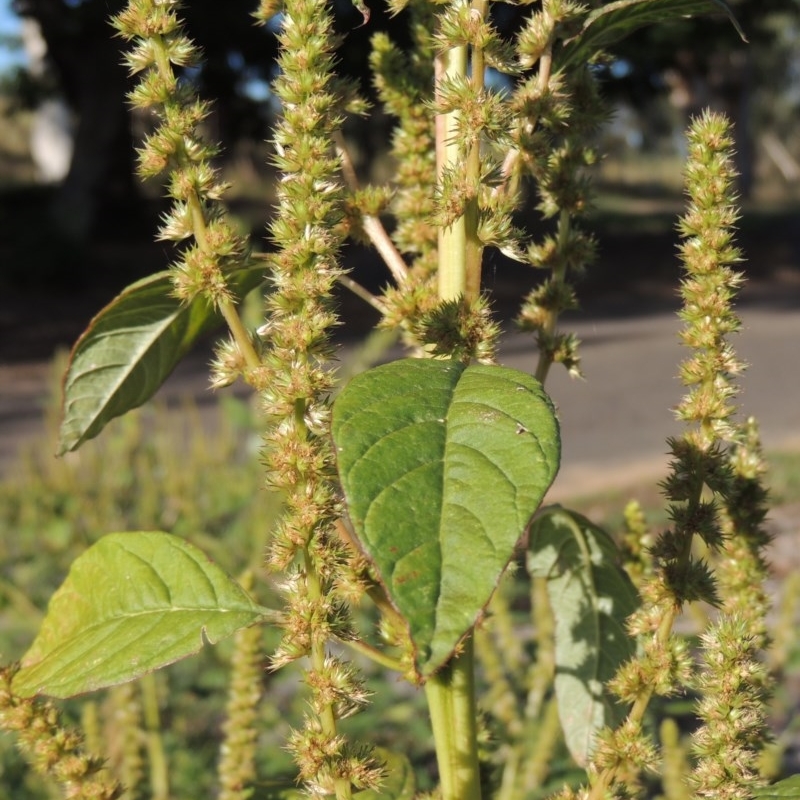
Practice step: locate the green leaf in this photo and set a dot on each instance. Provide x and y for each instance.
(613, 22)
(591, 597)
(790, 787)
(130, 348)
(132, 603)
(399, 784)
(442, 467)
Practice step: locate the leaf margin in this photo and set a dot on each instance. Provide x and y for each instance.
(580, 738)
(63, 627)
(380, 399)
(594, 33)
(197, 317)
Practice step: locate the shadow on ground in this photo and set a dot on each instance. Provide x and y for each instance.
(50, 288)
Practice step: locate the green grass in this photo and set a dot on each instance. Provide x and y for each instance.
(150, 470)
(783, 477)
(200, 478)
(194, 476)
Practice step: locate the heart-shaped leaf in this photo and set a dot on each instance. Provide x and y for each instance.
(442, 467)
(130, 348)
(788, 788)
(591, 597)
(133, 602)
(613, 22)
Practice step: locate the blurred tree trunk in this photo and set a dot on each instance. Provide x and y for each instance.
(86, 58)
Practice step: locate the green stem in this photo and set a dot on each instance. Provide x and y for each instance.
(359, 291)
(540, 675)
(374, 654)
(226, 307)
(372, 225)
(327, 717)
(451, 702)
(510, 178)
(451, 65)
(239, 333)
(19, 601)
(508, 782)
(451, 692)
(539, 763)
(551, 324)
(159, 771)
(90, 724)
(473, 253)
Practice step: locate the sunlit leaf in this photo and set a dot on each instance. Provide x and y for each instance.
(591, 597)
(789, 788)
(442, 467)
(130, 348)
(399, 784)
(133, 602)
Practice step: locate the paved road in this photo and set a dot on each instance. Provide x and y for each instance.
(614, 423)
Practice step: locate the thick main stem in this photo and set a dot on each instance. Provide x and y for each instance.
(473, 247)
(451, 65)
(451, 692)
(451, 702)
